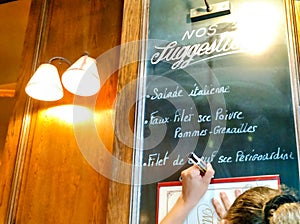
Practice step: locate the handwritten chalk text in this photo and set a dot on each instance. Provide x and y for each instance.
(207, 90)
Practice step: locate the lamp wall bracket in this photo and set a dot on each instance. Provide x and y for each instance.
(59, 58)
(210, 11)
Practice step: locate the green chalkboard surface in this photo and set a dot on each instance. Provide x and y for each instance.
(223, 88)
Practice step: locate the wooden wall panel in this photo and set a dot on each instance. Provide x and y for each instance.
(297, 13)
(15, 128)
(57, 184)
(119, 194)
(297, 8)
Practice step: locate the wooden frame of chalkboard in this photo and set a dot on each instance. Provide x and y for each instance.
(224, 88)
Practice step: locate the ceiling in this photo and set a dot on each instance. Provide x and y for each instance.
(13, 23)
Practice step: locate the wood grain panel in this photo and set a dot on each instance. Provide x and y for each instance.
(58, 185)
(58, 180)
(297, 9)
(297, 19)
(8, 90)
(119, 194)
(58, 177)
(10, 152)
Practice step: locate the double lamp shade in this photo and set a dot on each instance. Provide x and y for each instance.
(81, 79)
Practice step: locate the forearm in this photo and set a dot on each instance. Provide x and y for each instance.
(194, 187)
(178, 213)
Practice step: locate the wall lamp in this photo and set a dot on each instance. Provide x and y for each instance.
(81, 78)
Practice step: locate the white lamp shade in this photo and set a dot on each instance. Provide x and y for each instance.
(45, 84)
(82, 77)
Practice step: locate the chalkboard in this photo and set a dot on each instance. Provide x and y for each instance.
(223, 88)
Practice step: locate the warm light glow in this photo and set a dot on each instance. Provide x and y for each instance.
(257, 24)
(71, 114)
(45, 84)
(108, 115)
(82, 77)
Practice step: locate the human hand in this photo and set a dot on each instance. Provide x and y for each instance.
(222, 210)
(194, 186)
